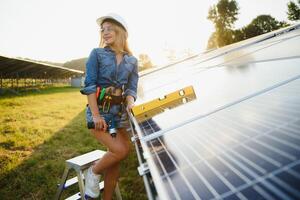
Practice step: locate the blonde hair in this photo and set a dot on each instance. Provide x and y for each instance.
(121, 43)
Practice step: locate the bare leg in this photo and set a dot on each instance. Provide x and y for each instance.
(110, 180)
(119, 148)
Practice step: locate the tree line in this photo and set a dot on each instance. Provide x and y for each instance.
(225, 13)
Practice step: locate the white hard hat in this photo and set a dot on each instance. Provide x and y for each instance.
(114, 17)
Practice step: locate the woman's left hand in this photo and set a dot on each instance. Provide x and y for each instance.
(130, 105)
(130, 102)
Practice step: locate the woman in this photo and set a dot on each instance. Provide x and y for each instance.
(112, 67)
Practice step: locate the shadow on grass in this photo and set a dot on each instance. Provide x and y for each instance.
(37, 176)
(39, 91)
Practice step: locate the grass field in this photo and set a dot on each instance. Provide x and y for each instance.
(38, 132)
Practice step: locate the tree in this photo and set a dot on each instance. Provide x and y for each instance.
(144, 62)
(212, 42)
(262, 24)
(223, 15)
(78, 64)
(293, 10)
(238, 35)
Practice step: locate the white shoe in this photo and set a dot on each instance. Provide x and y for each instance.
(91, 183)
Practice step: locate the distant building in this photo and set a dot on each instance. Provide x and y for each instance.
(77, 81)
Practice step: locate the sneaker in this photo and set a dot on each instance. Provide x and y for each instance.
(91, 183)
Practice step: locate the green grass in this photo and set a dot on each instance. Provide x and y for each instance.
(38, 132)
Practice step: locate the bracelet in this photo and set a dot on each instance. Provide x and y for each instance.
(129, 102)
(95, 118)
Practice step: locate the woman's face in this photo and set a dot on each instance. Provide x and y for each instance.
(108, 33)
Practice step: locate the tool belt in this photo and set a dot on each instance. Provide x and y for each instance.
(114, 100)
(105, 98)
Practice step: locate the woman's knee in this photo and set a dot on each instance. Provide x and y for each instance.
(120, 147)
(124, 145)
(121, 152)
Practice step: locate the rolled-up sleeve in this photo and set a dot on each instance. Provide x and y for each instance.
(90, 82)
(132, 84)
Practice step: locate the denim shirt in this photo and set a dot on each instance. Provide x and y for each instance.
(102, 70)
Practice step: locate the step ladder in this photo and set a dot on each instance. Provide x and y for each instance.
(79, 164)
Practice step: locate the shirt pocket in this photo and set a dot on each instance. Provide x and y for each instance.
(125, 72)
(128, 67)
(106, 66)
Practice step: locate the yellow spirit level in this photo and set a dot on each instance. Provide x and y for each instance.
(149, 109)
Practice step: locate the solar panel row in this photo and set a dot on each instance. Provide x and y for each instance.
(20, 68)
(240, 137)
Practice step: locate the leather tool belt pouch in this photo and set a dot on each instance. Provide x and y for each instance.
(105, 99)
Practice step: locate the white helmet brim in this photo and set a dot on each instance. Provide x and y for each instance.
(114, 17)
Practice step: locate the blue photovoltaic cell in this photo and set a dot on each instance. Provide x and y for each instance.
(247, 151)
(149, 126)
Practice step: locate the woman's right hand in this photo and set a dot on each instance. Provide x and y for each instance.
(100, 123)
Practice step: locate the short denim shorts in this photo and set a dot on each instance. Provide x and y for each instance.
(121, 121)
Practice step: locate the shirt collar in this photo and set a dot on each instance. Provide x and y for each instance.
(109, 49)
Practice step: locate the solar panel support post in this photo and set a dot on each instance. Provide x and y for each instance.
(146, 155)
(134, 138)
(1, 84)
(17, 81)
(25, 82)
(143, 169)
(145, 179)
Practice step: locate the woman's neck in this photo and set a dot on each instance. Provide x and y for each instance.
(116, 49)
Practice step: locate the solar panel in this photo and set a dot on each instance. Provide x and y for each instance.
(239, 138)
(250, 150)
(162, 80)
(21, 68)
(221, 86)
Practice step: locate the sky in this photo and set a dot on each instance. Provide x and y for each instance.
(62, 30)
